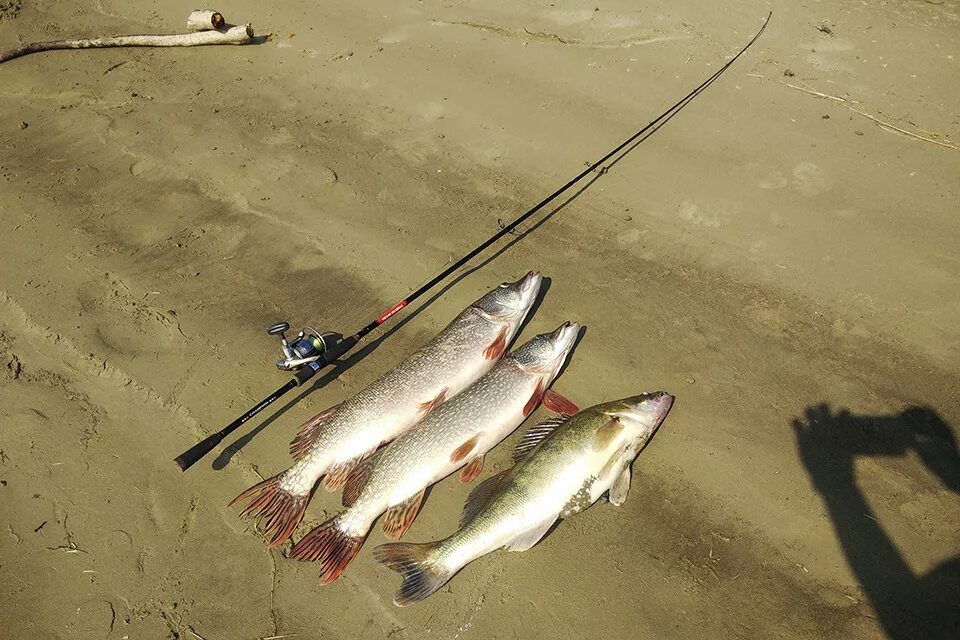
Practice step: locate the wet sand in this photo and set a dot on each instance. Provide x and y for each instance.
(784, 265)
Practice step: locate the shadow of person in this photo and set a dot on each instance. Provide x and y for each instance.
(907, 605)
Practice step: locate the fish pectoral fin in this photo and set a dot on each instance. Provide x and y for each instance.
(619, 488)
(534, 399)
(400, 516)
(531, 536)
(480, 497)
(498, 347)
(357, 479)
(336, 476)
(430, 405)
(464, 450)
(535, 435)
(606, 434)
(470, 472)
(558, 403)
(307, 433)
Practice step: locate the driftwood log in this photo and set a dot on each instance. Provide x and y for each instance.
(205, 20)
(242, 34)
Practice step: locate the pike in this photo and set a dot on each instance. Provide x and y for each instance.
(332, 443)
(455, 436)
(563, 466)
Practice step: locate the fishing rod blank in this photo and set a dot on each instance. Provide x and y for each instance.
(312, 351)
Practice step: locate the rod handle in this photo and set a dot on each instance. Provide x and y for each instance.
(187, 459)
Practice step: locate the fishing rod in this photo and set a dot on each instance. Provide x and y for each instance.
(312, 350)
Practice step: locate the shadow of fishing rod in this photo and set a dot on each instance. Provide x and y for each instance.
(615, 157)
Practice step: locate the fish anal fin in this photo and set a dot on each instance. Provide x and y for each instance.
(535, 435)
(400, 516)
(430, 405)
(498, 347)
(336, 476)
(531, 536)
(472, 471)
(534, 399)
(357, 479)
(480, 497)
(618, 490)
(308, 431)
(606, 434)
(558, 403)
(461, 452)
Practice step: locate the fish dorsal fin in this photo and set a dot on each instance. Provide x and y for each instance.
(535, 435)
(307, 433)
(531, 536)
(480, 497)
(619, 488)
(358, 479)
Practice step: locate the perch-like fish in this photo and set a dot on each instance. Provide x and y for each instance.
(564, 466)
(458, 434)
(332, 443)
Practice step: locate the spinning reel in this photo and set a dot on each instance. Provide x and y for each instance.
(309, 345)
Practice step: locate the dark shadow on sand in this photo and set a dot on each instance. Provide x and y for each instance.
(907, 605)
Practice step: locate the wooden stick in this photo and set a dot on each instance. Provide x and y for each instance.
(883, 124)
(234, 35)
(205, 20)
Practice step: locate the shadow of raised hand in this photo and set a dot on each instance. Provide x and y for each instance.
(907, 605)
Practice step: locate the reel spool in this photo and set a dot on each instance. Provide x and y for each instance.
(307, 347)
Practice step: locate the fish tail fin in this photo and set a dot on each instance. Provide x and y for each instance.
(331, 545)
(417, 563)
(277, 510)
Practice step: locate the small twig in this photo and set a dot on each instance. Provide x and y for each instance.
(190, 629)
(234, 35)
(881, 123)
(811, 91)
(887, 125)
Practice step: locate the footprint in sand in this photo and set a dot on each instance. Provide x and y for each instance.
(689, 211)
(126, 323)
(808, 179)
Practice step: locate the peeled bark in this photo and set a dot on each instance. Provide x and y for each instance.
(205, 20)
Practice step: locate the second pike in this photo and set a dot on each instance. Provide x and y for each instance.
(457, 435)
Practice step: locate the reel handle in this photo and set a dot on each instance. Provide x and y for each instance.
(278, 329)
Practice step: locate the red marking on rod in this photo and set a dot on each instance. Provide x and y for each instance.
(386, 316)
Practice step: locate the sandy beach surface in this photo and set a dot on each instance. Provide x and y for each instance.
(782, 263)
